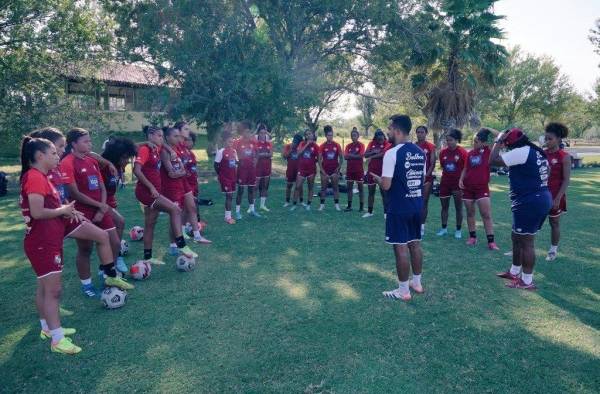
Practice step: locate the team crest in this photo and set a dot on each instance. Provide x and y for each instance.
(57, 260)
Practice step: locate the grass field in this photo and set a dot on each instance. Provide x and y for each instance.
(293, 303)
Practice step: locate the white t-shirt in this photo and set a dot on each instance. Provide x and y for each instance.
(516, 156)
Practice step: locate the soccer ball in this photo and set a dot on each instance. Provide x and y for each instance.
(136, 233)
(113, 297)
(185, 264)
(124, 248)
(140, 270)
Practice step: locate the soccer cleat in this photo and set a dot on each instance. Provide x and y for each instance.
(255, 214)
(230, 221)
(187, 252)
(202, 240)
(65, 346)
(507, 275)
(90, 291)
(519, 284)
(348, 209)
(264, 208)
(337, 208)
(509, 253)
(238, 216)
(471, 241)
(493, 246)
(287, 204)
(417, 288)
(173, 251)
(397, 295)
(120, 265)
(121, 283)
(551, 256)
(307, 207)
(442, 232)
(185, 235)
(66, 331)
(367, 215)
(293, 208)
(154, 261)
(458, 234)
(321, 207)
(304, 204)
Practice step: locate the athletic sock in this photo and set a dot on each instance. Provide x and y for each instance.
(422, 228)
(515, 269)
(301, 200)
(370, 209)
(238, 208)
(322, 201)
(180, 242)
(308, 202)
(147, 254)
(252, 207)
(416, 280)
(349, 204)
(263, 201)
(109, 270)
(472, 234)
(44, 324)
(404, 287)
(227, 215)
(295, 203)
(287, 200)
(87, 281)
(490, 238)
(458, 227)
(57, 334)
(527, 278)
(336, 201)
(120, 254)
(553, 249)
(444, 226)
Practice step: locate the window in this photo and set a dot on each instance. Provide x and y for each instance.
(116, 103)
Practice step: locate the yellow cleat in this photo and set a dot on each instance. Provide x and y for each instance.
(66, 331)
(187, 252)
(118, 282)
(154, 261)
(65, 346)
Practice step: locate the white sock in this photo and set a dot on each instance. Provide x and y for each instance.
(422, 228)
(337, 205)
(173, 245)
(87, 281)
(404, 287)
(416, 280)
(527, 278)
(263, 201)
(57, 334)
(197, 234)
(238, 208)
(251, 208)
(553, 249)
(44, 324)
(515, 269)
(227, 214)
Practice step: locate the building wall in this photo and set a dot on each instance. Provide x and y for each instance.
(132, 121)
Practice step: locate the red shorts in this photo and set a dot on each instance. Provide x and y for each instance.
(186, 186)
(227, 185)
(306, 172)
(448, 188)
(177, 196)
(246, 176)
(106, 223)
(291, 173)
(329, 170)
(44, 259)
(474, 193)
(143, 196)
(111, 201)
(355, 175)
(263, 169)
(562, 207)
(70, 226)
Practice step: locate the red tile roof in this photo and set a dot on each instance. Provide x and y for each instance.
(133, 74)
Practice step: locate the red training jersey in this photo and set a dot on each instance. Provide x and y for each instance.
(555, 160)
(355, 148)
(452, 162)
(59, 180)
(167, 183)
(263, 147)
(478, 167)
(149, 160)
(376, 164)
(85, 173)
(308, 159)
(246, 152)
(429, 150)
(41, 232)
(227, 159)
(330, 153)
(111, 183)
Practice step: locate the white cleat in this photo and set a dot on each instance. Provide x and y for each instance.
(293, 208)
(367, 215)
(321, 207)
(397, 295)
(287, 204)
(337, 208)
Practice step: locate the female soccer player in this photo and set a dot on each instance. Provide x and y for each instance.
(86, 186)
(308, 151)
(375, 151)
(354, 155)
(290, 154)
(530, 199)
(330, 162)
(431, 158)
(84, 230)
(245, 147)
(226, 162)
(44, 217)
(147, 190)
(452, 159)
(264, 149)
(560, 176)
(474, 183)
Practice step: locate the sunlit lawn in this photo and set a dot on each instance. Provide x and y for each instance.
(293, 303)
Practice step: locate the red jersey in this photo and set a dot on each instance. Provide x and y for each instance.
(40, 233)
(111, 182)
(246, 152)
(452, 162)
(330, 153)
(149, 159)
(478, 167)
(555, 160)
(429, 150)
(291, 157)
(263, 147)
(376, 164)
(85, 172)
(59, 180)
(355, 148)
(191, 167)
(227, 159)
(307, 161)
(167, 183)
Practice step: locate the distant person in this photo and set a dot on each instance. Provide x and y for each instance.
(226, 164)
(452, 159)
(290, 154)
(431, 158)
(354, 155)
(330, 161)
(263, 164)
(308, 151)
(374, 153)
(247, 154)
(560, 176)
(402, 179)
(530, 201)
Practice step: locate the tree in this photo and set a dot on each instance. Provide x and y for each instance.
(595, 36)
(367, 106)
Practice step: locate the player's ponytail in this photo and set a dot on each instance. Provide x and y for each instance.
(558, 129)
(29, 147)
(73, 136)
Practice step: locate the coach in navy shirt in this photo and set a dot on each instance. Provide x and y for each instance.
(402, 178)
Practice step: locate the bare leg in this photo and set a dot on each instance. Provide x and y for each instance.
(445, 202)
(82, 259)
(416, 257)
(298, 189)
(150, 218)
(119, 222)
(115, 241)
(165, 205)
(555, 230)
(335, 182)
(288, 191)
(51, 293)
(402, 263)
(324, 184)
(527, 253)
(251, 194)
(228, 201)
(88, 233)
(371, 200)
(350, 187)
(458, 206)
(426, 194)
(311, 185)
(361, 194)
(470, 206)
(485, 210)
(240, 194)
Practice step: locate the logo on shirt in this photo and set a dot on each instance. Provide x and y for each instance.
(232, 163)
(330, 155)
(475, 160)
(93, 183)
(450, 167)
(57, 259)
(307, 154)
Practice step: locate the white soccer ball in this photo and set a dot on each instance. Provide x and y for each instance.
(140, 270)
(136, 233)
(124, 248)
(185, 264)
(113, 297)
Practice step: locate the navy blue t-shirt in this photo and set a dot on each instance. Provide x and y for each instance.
(405, 164)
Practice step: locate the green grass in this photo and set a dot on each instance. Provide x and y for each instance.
(293, 304)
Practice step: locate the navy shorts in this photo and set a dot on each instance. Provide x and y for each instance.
(529, 215)
(402, 228)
